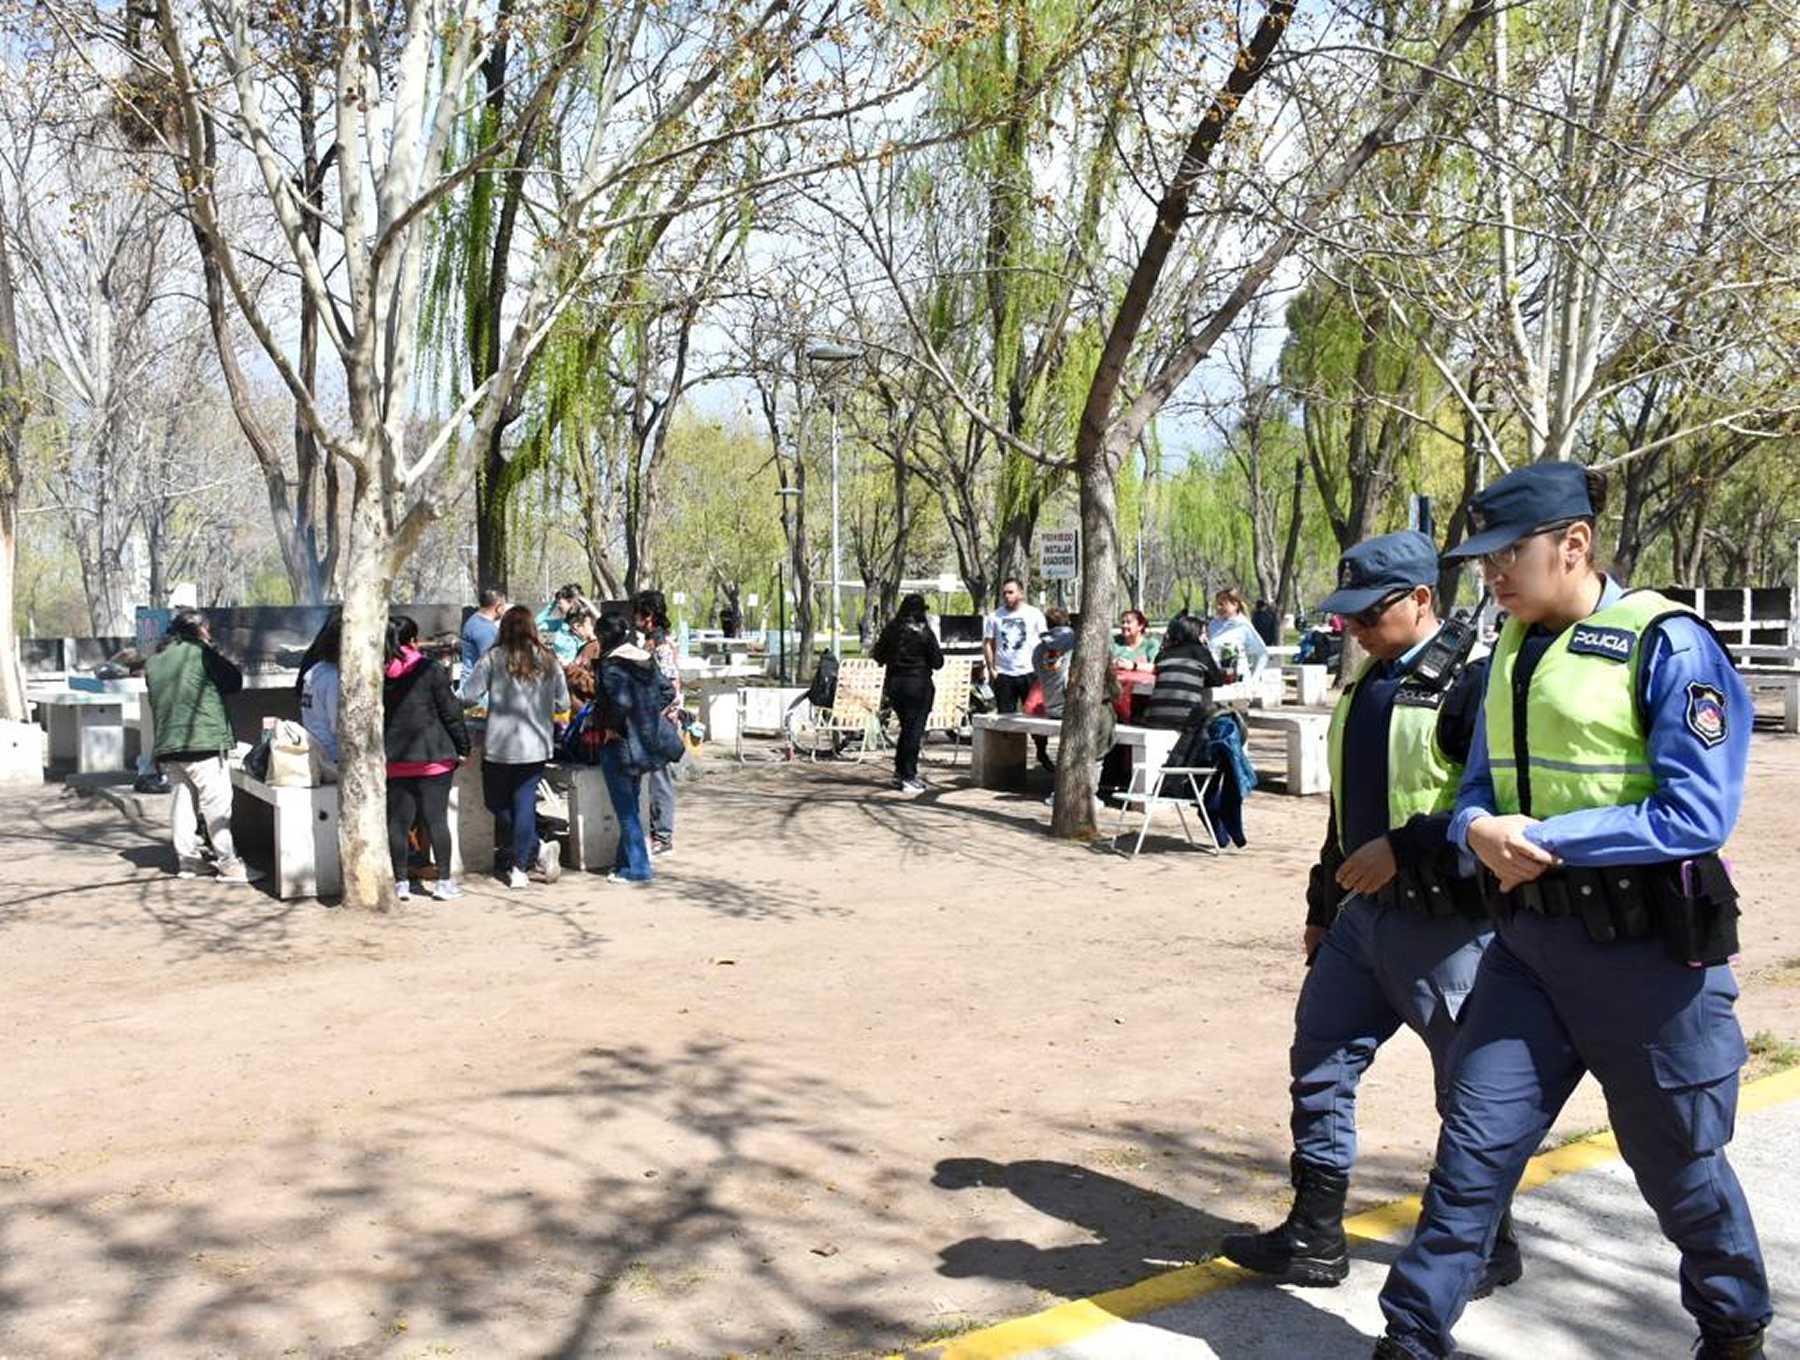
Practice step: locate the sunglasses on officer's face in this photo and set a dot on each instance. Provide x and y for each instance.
(1368, 618)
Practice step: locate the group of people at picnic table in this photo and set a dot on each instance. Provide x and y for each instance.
(1166, 682)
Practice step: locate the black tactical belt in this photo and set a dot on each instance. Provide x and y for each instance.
(1691, 904)
(1433, 896)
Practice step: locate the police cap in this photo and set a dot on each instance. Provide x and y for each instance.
(1523, 502)
(1378, 567)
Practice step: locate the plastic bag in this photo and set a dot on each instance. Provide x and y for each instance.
(294, 761)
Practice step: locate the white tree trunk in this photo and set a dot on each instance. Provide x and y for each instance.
(362, 823)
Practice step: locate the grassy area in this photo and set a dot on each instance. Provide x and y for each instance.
(1770, 1053)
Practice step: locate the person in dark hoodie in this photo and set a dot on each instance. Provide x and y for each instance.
(422, 724)
(634, 696)
(910, 651)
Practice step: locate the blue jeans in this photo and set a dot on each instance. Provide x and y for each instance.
(510, 793)
(1549, 1004)
(622, 787)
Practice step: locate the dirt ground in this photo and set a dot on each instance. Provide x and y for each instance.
(858, 1072)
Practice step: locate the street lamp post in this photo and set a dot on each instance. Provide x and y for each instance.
(786, 494)
(829, 354)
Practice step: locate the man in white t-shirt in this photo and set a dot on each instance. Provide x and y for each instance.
(1010, 637)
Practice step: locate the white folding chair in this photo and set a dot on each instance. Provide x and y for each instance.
(1198, 779)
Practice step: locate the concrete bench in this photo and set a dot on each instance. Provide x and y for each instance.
(1785, 680)
(87, 730)
(1311, 683)
(303, 841)
(593, 826)
(21, 753)
(305, 834)
(999, 751)
(1307, 768)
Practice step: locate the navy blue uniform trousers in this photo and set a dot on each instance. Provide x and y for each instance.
(1664, 1043)
(1378, 968)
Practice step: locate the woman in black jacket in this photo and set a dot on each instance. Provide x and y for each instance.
(910, 651)
(425, 738)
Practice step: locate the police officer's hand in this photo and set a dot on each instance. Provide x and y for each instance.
(1501, 844)
(1370, 869)
(1311, 939)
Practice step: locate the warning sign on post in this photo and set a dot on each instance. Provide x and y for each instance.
(1059, 554)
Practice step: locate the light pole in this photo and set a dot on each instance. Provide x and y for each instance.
(830, 354)
(785, 494)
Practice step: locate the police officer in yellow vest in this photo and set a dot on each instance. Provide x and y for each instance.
(1607, 772)
(1404, 946)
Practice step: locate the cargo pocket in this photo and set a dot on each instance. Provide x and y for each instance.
(1699, 1079)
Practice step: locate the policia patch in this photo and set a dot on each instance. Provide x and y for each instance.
(1706, 713)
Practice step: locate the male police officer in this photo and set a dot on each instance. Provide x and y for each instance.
(1404, 947)
(1607, 770)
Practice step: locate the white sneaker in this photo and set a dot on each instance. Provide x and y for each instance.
(403, 889)
(446, 890)
(240, 873)
(620, 879)
(515, 878)
(549, 860)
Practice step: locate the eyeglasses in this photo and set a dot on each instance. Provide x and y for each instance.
(1368, 618)
(1502, 560)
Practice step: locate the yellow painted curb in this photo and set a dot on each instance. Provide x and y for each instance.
(1068, 1322)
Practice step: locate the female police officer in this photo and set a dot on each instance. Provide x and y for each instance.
(1404, 947)
(1607, 771)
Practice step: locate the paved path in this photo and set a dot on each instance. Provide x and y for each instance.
(1600, 1279)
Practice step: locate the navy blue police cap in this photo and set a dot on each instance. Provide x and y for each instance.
(1379, 567)
(1522, 502)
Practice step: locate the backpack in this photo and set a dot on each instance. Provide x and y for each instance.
(823, 691)
(582, 739)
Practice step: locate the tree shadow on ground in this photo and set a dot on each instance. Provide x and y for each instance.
(630, 1202)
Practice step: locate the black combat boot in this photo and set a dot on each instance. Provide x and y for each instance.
(1308, 1249)
(1504, 1263)
(1712, 1346)
(1389, 1349)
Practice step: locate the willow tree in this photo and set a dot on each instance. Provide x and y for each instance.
(993, 250)
(1106, 434)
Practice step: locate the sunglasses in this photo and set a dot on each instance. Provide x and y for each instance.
(1368, 618)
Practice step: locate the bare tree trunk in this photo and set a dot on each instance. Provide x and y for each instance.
(1286, 586)
(12, 429)
(493, 551)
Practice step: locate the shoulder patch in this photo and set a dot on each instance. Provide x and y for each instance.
(1706, 713)
(1614, 644)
